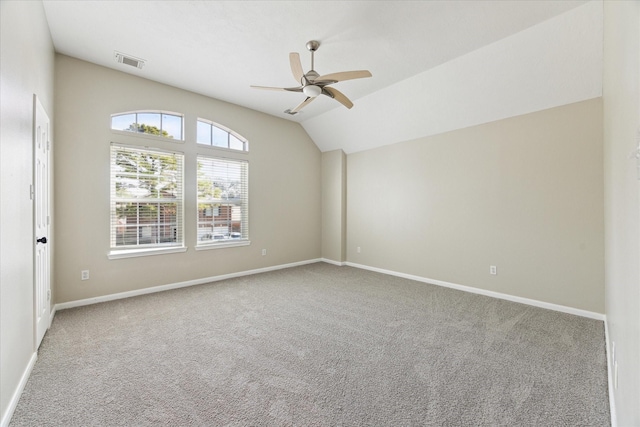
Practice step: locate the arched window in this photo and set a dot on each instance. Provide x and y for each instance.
(216, 135)
(166, 125)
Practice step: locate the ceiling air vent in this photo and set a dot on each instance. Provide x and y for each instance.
(128, 60)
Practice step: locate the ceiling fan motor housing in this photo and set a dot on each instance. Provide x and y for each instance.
(311, 76)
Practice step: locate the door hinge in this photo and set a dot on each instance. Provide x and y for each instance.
(31, 191)
(48, 220)
(48, 294)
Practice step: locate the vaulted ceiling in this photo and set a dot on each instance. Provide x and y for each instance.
(436, 65)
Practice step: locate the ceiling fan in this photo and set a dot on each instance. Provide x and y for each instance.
(313, 84)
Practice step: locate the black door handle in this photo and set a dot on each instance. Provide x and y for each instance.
(42, 240)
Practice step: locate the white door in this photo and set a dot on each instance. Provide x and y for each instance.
(42, 219)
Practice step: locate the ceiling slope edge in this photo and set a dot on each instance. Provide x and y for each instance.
(554, 63)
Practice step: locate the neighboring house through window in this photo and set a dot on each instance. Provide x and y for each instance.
(223, 202)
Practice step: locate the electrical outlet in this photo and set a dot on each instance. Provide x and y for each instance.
(84, 275)
(264, 252)
(493, 270)
(358, 249)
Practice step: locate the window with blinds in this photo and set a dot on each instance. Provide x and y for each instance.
(146, 198)
(223, 201)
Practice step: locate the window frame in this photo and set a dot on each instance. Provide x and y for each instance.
(158, 248)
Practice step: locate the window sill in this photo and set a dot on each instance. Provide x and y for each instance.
(206, 247)
(133, 253)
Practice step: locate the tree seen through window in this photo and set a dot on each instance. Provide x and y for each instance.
(147, 202)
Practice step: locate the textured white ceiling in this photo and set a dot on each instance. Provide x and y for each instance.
(420, 54)
(554, 63)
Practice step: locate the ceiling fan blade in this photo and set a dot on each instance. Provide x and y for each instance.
(302, 105)
(338, 96)
(289, 89)
(344, 75)
(296, 66)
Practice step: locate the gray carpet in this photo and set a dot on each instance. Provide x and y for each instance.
(317, 345)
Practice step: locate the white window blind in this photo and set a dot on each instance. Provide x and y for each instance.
(146, 198)
(223, 200)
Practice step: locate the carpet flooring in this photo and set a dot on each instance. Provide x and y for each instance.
(317, 345)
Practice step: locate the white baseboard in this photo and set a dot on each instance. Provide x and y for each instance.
(6, 417)
(121, 295)
(610, 373)
(52, 315)
(330, 261)
(528, 301)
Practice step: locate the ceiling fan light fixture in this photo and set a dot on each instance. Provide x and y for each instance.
(312, 91)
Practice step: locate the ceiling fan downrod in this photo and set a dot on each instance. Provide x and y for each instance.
(313, 45)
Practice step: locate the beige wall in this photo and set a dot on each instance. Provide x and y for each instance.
(621, 93)
(524, 194)
(27, 64)
(284, 181)
(334, 200)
